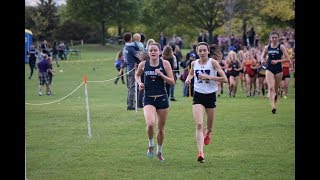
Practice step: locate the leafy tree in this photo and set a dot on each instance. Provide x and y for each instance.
(28, 13)
(40, 26)
(231, 7)
(203, 14)
(103, 12)
(63, 14)
(128, 14)
(42, 19)
(48, 11)
(248, 11)
(73, 30)
(159, 16)
(279, 13)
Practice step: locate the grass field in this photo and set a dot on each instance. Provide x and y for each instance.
(249, 142)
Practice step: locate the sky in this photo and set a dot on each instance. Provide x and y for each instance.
(34, 2)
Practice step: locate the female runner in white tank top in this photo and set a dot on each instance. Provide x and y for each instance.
(204, 71)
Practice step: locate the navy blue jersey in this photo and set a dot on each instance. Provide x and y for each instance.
(274, 54)
(32, 54)
(153, 83)
(234, 65)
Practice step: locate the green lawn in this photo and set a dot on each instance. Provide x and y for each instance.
(249, 142)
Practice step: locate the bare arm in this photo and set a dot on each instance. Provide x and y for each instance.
(167, 67)
(240, 64)
(254, 64)
(229, 68)
(216, 66)
(223, 78)
(285, 53)
(264, 53)
(138, 75)
(191, 74)
(243, 65)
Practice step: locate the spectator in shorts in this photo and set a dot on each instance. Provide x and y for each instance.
(43, 75)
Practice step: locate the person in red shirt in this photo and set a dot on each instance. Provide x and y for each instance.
(286, 72)
(249, 64)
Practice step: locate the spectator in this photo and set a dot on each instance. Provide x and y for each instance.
(43, 75)
(202, 37)
(137, 42)
(50, 70)
(131, 61)
(119, 64)
(251, 36)
(168, 55)
(44, 47)
(186, 64)
(32, 55)
(143, 40)
(162, 40)
(55, 53)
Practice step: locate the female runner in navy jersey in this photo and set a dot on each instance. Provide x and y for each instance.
(157, 72)
(274, 74)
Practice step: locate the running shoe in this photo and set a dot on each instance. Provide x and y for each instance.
(150, 152)
(200, 157)
(160, 157)
(207, 138)
(273, 110)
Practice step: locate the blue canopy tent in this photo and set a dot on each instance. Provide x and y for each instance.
(27, 43)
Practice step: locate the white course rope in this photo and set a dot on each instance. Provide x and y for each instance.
(39, 104)
(58, 99)
(113, 78)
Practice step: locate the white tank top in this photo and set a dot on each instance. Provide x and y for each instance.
(204, 86)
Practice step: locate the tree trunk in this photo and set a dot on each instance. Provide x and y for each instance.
(119, 30)
(230, 26)
(244, 29)
(210, 40)
(102, 33)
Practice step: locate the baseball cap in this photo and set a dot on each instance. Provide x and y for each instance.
(192, 55)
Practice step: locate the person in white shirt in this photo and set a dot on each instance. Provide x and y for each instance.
(204, 71)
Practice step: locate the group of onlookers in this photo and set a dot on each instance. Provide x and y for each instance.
(44, 66)
(41, 58)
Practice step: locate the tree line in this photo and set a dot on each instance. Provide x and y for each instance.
(95, 20)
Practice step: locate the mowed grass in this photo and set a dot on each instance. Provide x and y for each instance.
(249, 142)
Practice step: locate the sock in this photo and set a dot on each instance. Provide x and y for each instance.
(201, 153)
(151, 143)
(159, 149)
